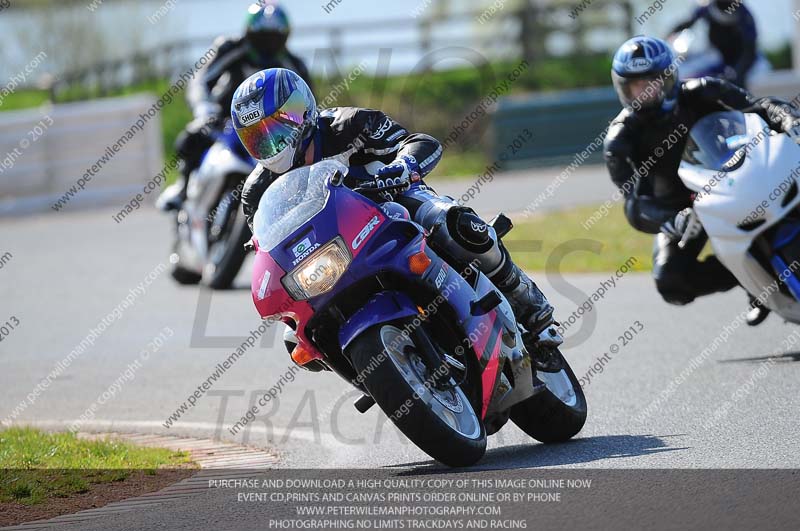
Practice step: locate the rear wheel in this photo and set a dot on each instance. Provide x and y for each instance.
(559, 412)
(439, 419)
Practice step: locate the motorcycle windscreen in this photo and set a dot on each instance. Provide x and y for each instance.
(292, 200)
(717, 142)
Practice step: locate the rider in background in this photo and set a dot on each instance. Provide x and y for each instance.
(643, 160)
(732, 31)
(276, 117)
(211, 91)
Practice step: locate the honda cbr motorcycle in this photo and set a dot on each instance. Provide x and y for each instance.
(745, 179)
(211, 227)
(431, 341)
(697, 61)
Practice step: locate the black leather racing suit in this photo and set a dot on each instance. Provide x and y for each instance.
(365, 140)
(737, 42)
(654, 193)
(211, 91)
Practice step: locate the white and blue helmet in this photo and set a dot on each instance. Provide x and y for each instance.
(275, 114)
(645, 75)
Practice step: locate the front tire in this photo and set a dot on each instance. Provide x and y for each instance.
(558, 413)
(180, 274)
(228, 255)
(441, 423)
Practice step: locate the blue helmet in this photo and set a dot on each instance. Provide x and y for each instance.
(275, 114)
(645, 75)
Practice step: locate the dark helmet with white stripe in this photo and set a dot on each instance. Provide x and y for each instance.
(267, 27)
(645, 76)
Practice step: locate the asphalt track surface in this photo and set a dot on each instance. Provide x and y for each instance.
(651, 407)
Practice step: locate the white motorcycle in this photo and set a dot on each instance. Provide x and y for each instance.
(745, 177)
(211, 227)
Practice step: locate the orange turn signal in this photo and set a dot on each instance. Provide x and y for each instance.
(301, 355)
(419, 263)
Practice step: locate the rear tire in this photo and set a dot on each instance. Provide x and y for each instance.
(417, 417)
(548, 418)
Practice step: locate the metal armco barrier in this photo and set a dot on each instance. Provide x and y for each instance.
(565, 123)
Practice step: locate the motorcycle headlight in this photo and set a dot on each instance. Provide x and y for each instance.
(319, 272)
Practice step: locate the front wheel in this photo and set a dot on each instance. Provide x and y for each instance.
(559, 412)
(227, 256)
(440, 420)
(226, 241)
(183, 276)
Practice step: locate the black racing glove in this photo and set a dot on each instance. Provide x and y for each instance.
(197, 137)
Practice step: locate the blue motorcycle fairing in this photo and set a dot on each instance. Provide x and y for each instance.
(384, 307)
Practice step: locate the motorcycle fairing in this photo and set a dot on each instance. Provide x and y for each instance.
(379, 244)
(721, 208)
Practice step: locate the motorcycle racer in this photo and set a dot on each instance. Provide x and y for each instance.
(732, 31)
(276, 116)
(643, 150)
(263, 46)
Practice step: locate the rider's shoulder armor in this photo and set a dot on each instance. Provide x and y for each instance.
(712, 89)
(623, 123)
(349, 118)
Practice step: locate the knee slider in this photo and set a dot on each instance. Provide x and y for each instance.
(469, 231)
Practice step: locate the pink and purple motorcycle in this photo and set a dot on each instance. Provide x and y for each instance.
(433, 343)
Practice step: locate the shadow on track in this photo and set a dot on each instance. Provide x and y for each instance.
(538, 455)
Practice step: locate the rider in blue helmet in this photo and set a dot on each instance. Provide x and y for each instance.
(211, 92)
(732, 31)
(645, 76)
(643, 156)
(276, 117)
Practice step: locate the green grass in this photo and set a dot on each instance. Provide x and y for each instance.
(24, 99)
(35, 466)
(567, 247)
(781, 58)
(460, 165)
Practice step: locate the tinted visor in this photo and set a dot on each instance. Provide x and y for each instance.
(271, 135)
(267, 41)
(644, 92)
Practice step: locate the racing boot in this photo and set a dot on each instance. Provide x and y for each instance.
(530, 306)
(174, 195)
(758, 312)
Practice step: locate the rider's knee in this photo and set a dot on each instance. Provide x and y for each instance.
(470, 231)
(461, 234)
